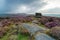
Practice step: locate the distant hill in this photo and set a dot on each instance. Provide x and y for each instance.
(53, 15)
(12, 15)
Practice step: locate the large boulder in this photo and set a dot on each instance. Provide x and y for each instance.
(42, 36)
(33, 28)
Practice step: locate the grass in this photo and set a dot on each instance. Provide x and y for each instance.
(41, 25)
(23, 37)
(8, 34)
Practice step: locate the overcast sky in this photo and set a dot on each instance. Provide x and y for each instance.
(30, 6)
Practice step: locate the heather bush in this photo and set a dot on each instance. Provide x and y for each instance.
(43, 20)
(2, 32)
(52, 24)
(55, 31)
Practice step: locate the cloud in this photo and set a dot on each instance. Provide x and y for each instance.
(21, 9)
(29, 6)
(2, 4)
(51, 4)
(32, 7)
(54, 10)
(20, 6)
(20, 1)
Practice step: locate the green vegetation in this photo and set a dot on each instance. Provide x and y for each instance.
(23, 37)
(7, 35)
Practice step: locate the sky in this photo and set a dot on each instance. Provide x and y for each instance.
(30, 6)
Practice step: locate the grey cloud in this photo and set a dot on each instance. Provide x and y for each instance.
(54, 10)
(33, 5)
(11, 5)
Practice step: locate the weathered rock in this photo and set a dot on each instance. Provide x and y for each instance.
(33, 28)
(42, 36)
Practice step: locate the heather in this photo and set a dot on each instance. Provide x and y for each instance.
(29, 28)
